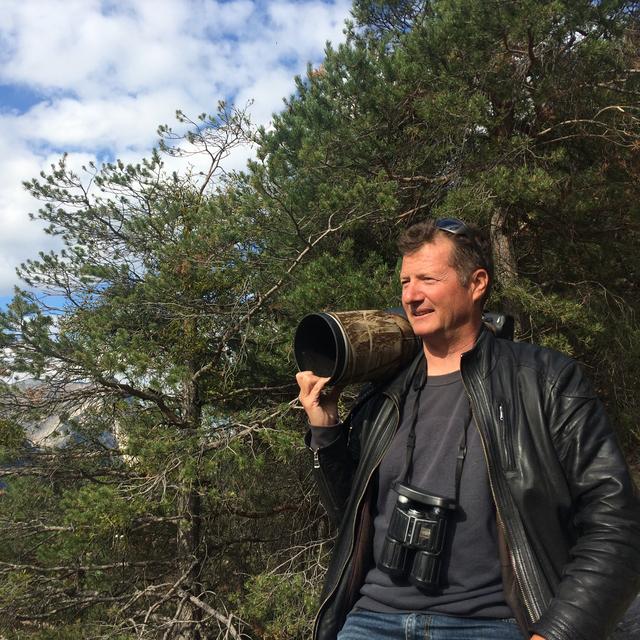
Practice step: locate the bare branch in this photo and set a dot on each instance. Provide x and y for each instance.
(226, 620)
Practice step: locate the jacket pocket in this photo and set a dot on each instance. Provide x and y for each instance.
(505, 435)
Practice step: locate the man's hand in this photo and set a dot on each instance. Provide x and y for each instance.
(537, 637)
(321, 408)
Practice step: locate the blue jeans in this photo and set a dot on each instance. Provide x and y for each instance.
(369, 625)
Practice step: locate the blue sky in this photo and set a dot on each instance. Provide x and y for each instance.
(96, 77)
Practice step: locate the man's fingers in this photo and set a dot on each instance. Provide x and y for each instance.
(321, 406)
(310, 384)
(318, 387)
(306, 380)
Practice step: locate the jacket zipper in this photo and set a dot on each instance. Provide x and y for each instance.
(516, 573)
(507, 440)
(321, 479)
(533, 610)
(353, 526)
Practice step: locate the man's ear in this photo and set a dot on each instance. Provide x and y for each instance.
(478, 284)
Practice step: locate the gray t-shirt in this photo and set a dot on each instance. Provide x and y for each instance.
(470, 576)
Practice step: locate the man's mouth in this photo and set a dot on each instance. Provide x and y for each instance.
(422, 312)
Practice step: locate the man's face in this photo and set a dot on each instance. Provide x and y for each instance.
(435, 302)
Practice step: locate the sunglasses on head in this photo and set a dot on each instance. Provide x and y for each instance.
(453, 226)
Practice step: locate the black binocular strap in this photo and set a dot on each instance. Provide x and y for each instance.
(462, 454)
(418, 384)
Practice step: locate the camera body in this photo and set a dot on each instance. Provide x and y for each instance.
(416, 537)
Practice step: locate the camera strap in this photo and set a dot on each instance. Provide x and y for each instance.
(418, 384)
(462, 454)
(419, 380)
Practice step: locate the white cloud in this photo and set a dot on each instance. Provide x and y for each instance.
(117, 123)
(105, 73)
(276, 82)
(20, 237)
(58, 44)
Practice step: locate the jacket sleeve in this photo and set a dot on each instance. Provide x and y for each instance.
(334, 465)
(602, 575)
(333, 468)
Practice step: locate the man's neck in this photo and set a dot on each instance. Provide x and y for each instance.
(444, 356)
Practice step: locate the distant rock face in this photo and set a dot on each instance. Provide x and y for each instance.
(629, 627)
(50, 431)
(68, 401)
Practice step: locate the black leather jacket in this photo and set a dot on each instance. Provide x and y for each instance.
(568, 513)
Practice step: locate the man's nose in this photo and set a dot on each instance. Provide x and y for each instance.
(410, 293)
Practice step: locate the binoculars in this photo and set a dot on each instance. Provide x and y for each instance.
(416, 537)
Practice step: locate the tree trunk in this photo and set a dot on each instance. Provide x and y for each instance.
(189, 562)
(189, 535)
(506, 267)
(503, 253)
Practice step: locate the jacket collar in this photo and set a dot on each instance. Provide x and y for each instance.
(481, 359)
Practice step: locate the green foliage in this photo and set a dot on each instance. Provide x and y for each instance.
(279, 606)
(11, 438)
(283, 443)
(343, 280)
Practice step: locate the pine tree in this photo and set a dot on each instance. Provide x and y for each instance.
(166, 363)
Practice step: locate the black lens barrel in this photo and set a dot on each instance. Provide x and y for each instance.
(394, 558)
(425, 572)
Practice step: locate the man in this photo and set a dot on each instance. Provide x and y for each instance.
(546, 525)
